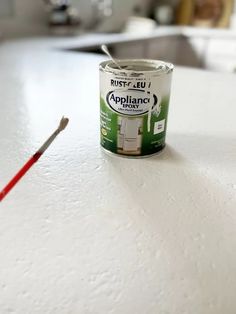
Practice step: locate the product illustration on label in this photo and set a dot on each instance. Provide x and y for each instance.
(129, 135)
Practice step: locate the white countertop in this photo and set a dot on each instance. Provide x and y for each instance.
(97, 39)
(93, 40)
(87, 233)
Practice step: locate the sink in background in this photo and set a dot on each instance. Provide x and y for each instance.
(170, 47)
(210, 49)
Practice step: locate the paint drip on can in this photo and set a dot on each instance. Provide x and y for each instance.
(134, 103)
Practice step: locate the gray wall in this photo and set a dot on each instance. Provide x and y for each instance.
(28, 17)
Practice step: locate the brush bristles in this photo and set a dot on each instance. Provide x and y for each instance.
(63, 123)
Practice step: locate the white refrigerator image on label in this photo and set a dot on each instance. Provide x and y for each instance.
(129, 135)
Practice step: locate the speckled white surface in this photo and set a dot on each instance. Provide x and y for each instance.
(86, 233)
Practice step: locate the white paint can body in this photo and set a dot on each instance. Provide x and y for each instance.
(134, 104)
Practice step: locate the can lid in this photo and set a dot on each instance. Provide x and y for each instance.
(137, 67)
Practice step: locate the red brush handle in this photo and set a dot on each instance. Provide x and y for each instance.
(19, 175)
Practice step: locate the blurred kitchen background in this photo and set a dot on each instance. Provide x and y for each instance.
(194, 33)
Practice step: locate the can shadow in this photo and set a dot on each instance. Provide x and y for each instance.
(182, 148)
(169, 154)
(202, 168)
(184, 210)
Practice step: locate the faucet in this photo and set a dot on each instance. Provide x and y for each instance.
(62, 12)
(105, 7)
(101, 9)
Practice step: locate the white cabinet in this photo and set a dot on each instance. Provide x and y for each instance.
(221, 55)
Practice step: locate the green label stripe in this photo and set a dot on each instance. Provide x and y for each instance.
(150, 142)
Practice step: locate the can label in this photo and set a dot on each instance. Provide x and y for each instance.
(133, 112)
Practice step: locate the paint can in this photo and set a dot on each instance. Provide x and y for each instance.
(134, 102)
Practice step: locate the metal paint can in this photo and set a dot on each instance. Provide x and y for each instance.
(134, 103)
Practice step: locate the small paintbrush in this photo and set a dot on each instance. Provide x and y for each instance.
(63, 123)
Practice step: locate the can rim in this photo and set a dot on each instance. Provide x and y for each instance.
(152, 67)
